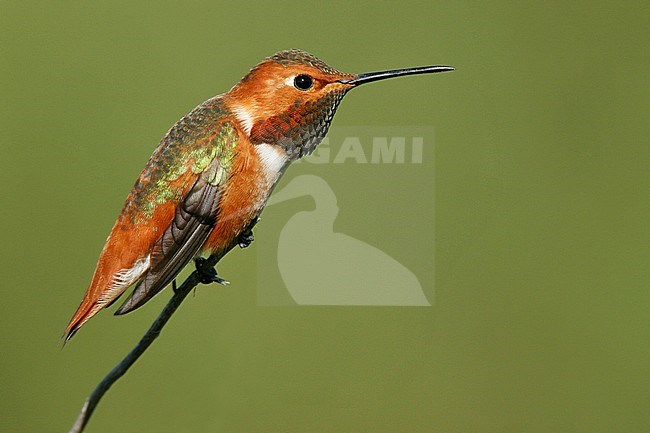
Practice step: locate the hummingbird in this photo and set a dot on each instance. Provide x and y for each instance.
(209, 178)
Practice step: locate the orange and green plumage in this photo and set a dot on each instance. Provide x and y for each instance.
(201, 141)
(211, 175)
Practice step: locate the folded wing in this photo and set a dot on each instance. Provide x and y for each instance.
(193, 220)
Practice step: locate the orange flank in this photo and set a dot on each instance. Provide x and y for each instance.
(242, 200)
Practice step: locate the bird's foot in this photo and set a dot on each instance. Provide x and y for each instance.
(245, 239)
(207, 273)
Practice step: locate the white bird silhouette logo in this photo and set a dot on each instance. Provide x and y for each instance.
(321, 267)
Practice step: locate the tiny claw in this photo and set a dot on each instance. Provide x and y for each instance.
(208, 274)
(218, 279)
(245, 239)
(174, 288)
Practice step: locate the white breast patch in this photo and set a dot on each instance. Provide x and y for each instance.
(273, 160)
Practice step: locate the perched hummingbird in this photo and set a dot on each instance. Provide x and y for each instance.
(209, 178)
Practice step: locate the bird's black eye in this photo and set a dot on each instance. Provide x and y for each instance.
(302, 82)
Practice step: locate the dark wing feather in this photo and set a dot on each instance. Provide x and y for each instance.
(193, 220)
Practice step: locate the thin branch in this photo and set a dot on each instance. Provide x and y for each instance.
(154, 331)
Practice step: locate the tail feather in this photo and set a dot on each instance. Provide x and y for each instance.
(85, 311)
(149, 286)
(103, 291)
(138, 298)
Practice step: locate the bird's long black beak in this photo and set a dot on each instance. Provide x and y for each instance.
(381, 75)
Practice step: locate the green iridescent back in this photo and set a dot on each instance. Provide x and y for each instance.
(191, 144)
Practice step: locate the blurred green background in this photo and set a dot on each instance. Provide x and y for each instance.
(542, 241)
